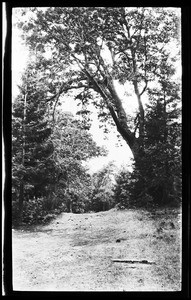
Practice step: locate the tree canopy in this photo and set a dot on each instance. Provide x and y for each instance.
(89, 49)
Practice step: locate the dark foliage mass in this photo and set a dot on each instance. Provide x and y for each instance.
(82, 52)
(156, 178)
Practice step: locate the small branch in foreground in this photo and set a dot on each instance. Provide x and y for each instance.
(146, 262)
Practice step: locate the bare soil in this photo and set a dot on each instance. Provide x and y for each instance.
(129, 250)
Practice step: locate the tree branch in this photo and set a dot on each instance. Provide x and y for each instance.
(121, 122)
(145, 87)
(67, 88)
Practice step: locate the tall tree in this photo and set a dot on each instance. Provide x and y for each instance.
(32, 168)
(158, 171)
(92, 48)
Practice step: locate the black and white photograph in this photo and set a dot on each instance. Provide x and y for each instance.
(96, 122)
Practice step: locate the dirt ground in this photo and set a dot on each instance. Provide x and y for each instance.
(129, 250)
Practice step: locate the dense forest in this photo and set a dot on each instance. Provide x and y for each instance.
(88, 53)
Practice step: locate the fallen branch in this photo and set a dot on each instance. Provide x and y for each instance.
(133, 261)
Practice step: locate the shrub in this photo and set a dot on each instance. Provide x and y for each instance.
(38, 211)
(145, 201)
(122, 189)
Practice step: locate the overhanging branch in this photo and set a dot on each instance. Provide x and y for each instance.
(67, 88)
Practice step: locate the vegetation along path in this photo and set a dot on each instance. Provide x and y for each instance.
(127, 250)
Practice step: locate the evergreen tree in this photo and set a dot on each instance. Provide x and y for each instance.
(157, 173)
(32, 166)
(156, 178)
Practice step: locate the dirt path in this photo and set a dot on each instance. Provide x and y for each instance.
(78, 252)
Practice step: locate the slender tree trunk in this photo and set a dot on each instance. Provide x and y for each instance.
(21, 195)
(69, 201)
(21, 188)
(70, 209)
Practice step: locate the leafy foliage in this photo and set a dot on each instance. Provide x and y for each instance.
(122, 189)
(48, 172)
(86, 49)
(73, 145)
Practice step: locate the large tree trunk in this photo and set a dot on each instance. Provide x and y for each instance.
(118, 114)
(120, 118)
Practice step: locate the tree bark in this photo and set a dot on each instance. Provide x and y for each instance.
(121, 122)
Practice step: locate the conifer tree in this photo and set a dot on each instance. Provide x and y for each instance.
(156, 178)
(32, 166)
(157, 173)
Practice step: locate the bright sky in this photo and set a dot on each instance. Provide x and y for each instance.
(19, 60)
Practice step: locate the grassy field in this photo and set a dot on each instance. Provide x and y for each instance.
(128, 250)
